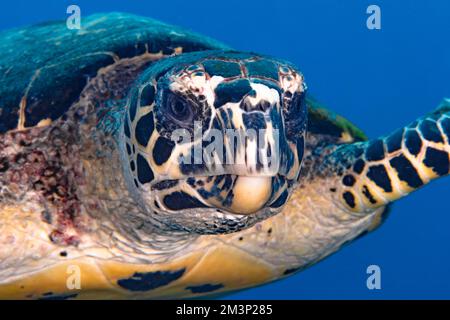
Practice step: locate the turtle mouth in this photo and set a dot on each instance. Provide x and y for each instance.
(233, 194)
(250, 194)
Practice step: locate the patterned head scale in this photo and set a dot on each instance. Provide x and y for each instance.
(215, 134)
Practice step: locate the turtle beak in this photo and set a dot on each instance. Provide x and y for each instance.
(254, 147)
(239, 143)
(251, 142)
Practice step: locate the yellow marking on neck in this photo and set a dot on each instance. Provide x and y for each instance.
(346, 137)
(178, 50)
(44, 122)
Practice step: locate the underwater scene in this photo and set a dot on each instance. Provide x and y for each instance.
(224, 149)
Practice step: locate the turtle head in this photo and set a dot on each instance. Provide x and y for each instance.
(217, 136)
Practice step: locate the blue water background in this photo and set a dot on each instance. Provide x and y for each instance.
(379, 79)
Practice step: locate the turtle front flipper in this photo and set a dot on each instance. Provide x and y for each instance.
(374, 173)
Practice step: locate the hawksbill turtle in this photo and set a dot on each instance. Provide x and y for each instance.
(103, 196)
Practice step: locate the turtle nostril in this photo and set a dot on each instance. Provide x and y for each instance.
(264, 106)
(246, 105)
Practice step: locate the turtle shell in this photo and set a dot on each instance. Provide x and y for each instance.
(323, 121)
(44, 67)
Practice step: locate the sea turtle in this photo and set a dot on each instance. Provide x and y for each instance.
(103, 196)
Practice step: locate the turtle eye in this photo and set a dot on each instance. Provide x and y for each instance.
(178, 108)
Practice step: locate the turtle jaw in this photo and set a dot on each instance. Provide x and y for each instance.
(249, 195)
(229, 193)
